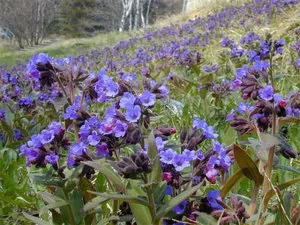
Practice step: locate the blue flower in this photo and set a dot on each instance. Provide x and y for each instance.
(102, 150)
(244, 107)
(78, 149)
(94, 138)
(17, 134)
(148, 98)
(120, 128)
(55, 127)
(231, 115)
(127, 100)
(25, 101)
(208, 132)
(107, 126)
(35, 141)
(266, 93)
(199, 124)
(180, 162)
(133, 114)
(180, 208)
(261, 65)
(190, 155)
(52, 158)
(71, 112)
(169, 190)
(167, 156)
(2, 114)
(46, 136)
(212, 197)
(298, 63)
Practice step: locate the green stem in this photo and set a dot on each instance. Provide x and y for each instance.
(152, 205)
(269, 165)
(252, 205)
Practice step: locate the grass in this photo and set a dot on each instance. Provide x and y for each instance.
(62, 47)
(76, 46)
(279, 26)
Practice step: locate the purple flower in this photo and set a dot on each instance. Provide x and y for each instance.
(107, 126)
(71, 112)
(46, 136)
(31, 153)
(127, 100)
(208, 132)
(169, 190)
(199, 124)
(25, 101)
(120, 128)
(180, 162)
(94, 138)
(55, 127)
(180, 208)
(261, 65)
(78, 149)
(2, 114)
(212, 197)
(231, 115)
(190, 155)
(167, 156)
(102, 150)
(148, 98)
(298, 63)
(164, 90)
(71, 161)
(52, 158)
(17, 134)
(160, 143)
(218, 147)
(35, 141)
(244, 107)
(266, 93)
(199, 154)
(133, 114)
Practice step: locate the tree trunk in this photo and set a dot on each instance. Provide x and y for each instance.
(184, 5)
(137, 15)
(148, 11)
(142, 16)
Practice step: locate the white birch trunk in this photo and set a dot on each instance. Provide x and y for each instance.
(137, 15)
(142, 15)
(148, 11)
(184, 5)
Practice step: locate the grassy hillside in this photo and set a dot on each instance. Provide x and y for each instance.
(64, 47)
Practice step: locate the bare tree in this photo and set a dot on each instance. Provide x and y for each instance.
(184, 5)
(27, 19)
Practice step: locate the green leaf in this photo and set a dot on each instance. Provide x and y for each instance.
(140, 212)
(36, 220)
(94, 203)
(281, 187)
(53, 205)
(206, 219)
(105, 168)
(125, 198)
(261, 147)
(156, 173)
(230, 183)
(107, 220)
(246, 164)
(46, 180)
(7, 128)
(286, 168)
(76, 202)
(176, 200)
(85, 186)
